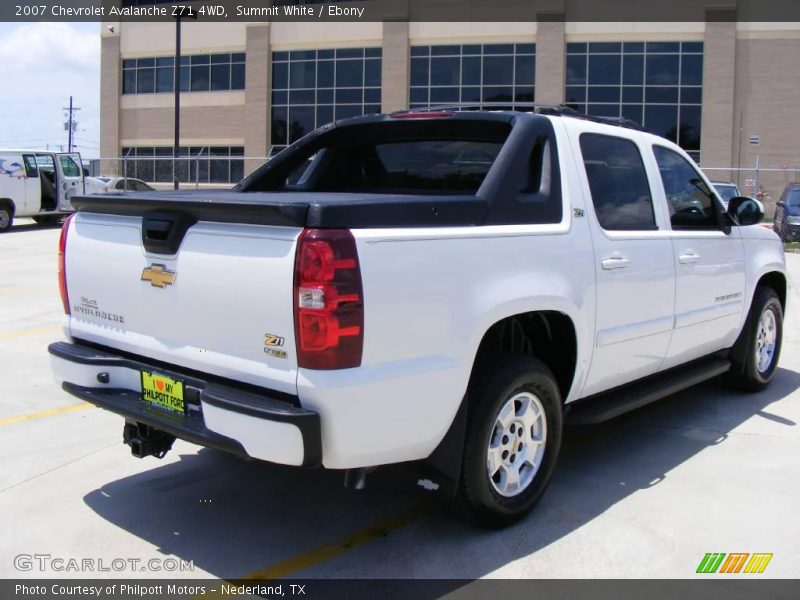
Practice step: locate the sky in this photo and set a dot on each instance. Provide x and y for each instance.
(41, 65)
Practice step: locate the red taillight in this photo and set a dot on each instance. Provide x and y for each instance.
(62, 267)
(328, 300)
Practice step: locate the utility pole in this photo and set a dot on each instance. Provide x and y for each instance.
(71, 125)
(177, 85)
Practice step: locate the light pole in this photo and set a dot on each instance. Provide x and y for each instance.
(177, 86)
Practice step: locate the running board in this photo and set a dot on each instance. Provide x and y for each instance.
(608, 405)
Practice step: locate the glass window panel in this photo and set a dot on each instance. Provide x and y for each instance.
(692, 69)
(576, 69)
(373, 52)
(372, 109)
(200, 59)
(200, 78)
(419, 71)
(471, 70)
(661, 95)
(604, 110)
(280, 76)
(185, 60)
(324, 114)
(237, 171)
(372, 72)
(303, 55)
(471, 94)
(221, 77)
(662, 120)
(691, 95)
(350, 53)
(372, 95)
(165, 61)
(279, 128)
(280, 56)
(523, 94)
(325, 54)
(575, 94)
(471, 49)
(420, 50)
(574, 48)
(524, 70)
(451, 50)
(301, 122)
(604, 94)
(692, 46)
(146, 62)
(237, 76)
(498, 70)
(346, 111)
(605, 47)
(633, 47)
(633, 69)
(448, 94)
(185, 79)
(301, 97)
(302, 74)
(663, 47)
(280, 97)
(525, 48)
(419, 94)
(129, 82)
(662, 69)
(689, 133)
(604, 68)
(325, 73)
(129, 63)
(325, 96)
(219, 170)
(349, 73)
(445, 70)
(145, 81)
(218, 59)
(498, 48)
(498, 94)
(165, 79)
(349, 96)
(632, 112)
(632, 94)
(238, 57)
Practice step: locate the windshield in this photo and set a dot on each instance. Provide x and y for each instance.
(793, 199)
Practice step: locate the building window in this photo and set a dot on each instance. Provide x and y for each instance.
(199, 73)
(656, 84)
(209, 164)
(472, 73)
(313, 87)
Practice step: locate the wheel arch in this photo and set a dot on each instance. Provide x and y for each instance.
(777, 281)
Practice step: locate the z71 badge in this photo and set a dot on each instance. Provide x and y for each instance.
(270, 341)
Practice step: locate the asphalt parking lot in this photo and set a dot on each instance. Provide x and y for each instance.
(647, 495)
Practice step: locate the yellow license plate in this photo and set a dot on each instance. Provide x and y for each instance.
(163, 391)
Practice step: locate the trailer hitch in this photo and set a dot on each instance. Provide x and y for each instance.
(146, 441)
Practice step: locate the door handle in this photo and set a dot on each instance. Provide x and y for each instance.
(689, 257)
(615, 262)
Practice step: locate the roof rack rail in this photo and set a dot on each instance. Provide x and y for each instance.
(537, 107)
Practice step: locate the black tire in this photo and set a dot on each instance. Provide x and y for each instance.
(47, 220)
(745, 373)
(6, 216)
(476, 499)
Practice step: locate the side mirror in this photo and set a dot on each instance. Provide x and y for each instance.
(745, 211)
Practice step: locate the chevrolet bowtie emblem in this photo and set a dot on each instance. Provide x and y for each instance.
(158, 276)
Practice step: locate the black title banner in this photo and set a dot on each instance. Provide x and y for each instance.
(401, 10)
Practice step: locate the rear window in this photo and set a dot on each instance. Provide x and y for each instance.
(446, 157)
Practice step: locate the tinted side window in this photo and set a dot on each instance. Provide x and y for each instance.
(31, 169)
(618, 183)
(691, 203)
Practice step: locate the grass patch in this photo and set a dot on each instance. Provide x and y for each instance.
(791, 246)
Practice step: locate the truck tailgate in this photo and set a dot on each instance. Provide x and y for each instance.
(221, 304)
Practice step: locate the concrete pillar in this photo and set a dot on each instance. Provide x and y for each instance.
(550, 58)
(719, 66)
(110, 90)
(395, 66)
(258, 88)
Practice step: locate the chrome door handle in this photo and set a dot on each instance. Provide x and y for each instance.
(615, 262)
(689, 257)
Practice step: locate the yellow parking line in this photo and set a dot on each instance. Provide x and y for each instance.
(25, 332)
(338, 547)
(44, 413)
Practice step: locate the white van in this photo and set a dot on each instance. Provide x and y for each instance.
(38, 184)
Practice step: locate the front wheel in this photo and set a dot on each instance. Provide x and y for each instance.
(47, 220)
(756, 352)
(513, 437)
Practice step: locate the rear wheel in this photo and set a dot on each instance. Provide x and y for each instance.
(6, 216)
(756, 352)
(514, 424)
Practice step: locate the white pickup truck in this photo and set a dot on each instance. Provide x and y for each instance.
(442, 286)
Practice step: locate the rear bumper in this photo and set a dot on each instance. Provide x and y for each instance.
(252, 423)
